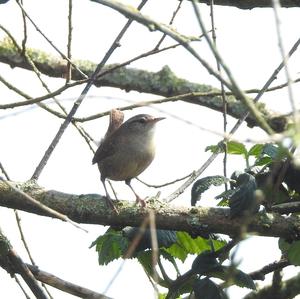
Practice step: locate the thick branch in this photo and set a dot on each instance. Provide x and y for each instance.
(249, 4)
(92, 209)
(163, 83)
(12, 262)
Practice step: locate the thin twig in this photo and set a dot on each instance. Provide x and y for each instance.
(130, 251)
(81, 131)
(69, 46)
(276, 7)
(165, 184)
(154, 246)
(77, 103)
(50, 42)
(273, 76)
(24, 30)
(21, 287)
(48, 210)
(224, 99)
(170, 23)
(18, 219)
(235, 88)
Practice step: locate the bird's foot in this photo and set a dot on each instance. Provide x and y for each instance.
(140, 201)
(111, 205)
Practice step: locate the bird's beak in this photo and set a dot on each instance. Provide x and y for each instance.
(156, 119)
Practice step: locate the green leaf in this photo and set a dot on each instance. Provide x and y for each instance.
(216, 149)
(205, 263)
(203, 184)
(187, 245)
(110, 246)
(255, 150)
(243, 200)
(207, 289)
(292, 250)
(236, 148)
(271, 150)
(263, 161)
(283, 245)
(294, 253)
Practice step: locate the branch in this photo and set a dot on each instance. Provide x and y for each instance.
(289, 289)
(11, 261)
(64, 285)
(242, 4)
(260, 274)
(92, 209)
(132, 79)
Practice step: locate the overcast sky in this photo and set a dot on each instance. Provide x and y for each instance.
(248, 43)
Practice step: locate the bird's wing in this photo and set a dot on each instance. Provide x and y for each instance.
(104, 150)
(108, 146)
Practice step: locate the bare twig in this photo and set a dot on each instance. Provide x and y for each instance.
(235, 88)
(77, 103)
(273, 76)
(50, 42)
(276, 7)
(224, 99)
(48, 210)
(69, 47)
(129, 251)
(165, 184)
(154, 246)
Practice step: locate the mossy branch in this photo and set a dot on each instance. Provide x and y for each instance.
(92, 209)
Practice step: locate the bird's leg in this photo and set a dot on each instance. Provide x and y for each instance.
(108, 199)
(138, 199)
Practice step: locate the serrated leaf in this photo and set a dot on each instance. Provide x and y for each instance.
(203, 184)
(205, 263)
(236, 148)
(294, 253)
(255, 150)
(207, 289)
(188, 245)
(110, 246)
(243, 200)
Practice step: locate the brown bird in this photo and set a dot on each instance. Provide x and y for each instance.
(127, 149)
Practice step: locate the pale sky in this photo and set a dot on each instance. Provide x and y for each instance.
(247, 41)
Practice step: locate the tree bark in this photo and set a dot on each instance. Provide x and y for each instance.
(92, 209)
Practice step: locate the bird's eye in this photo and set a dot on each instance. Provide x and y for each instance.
(142, 120)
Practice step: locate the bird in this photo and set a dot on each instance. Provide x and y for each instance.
(126, 150)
